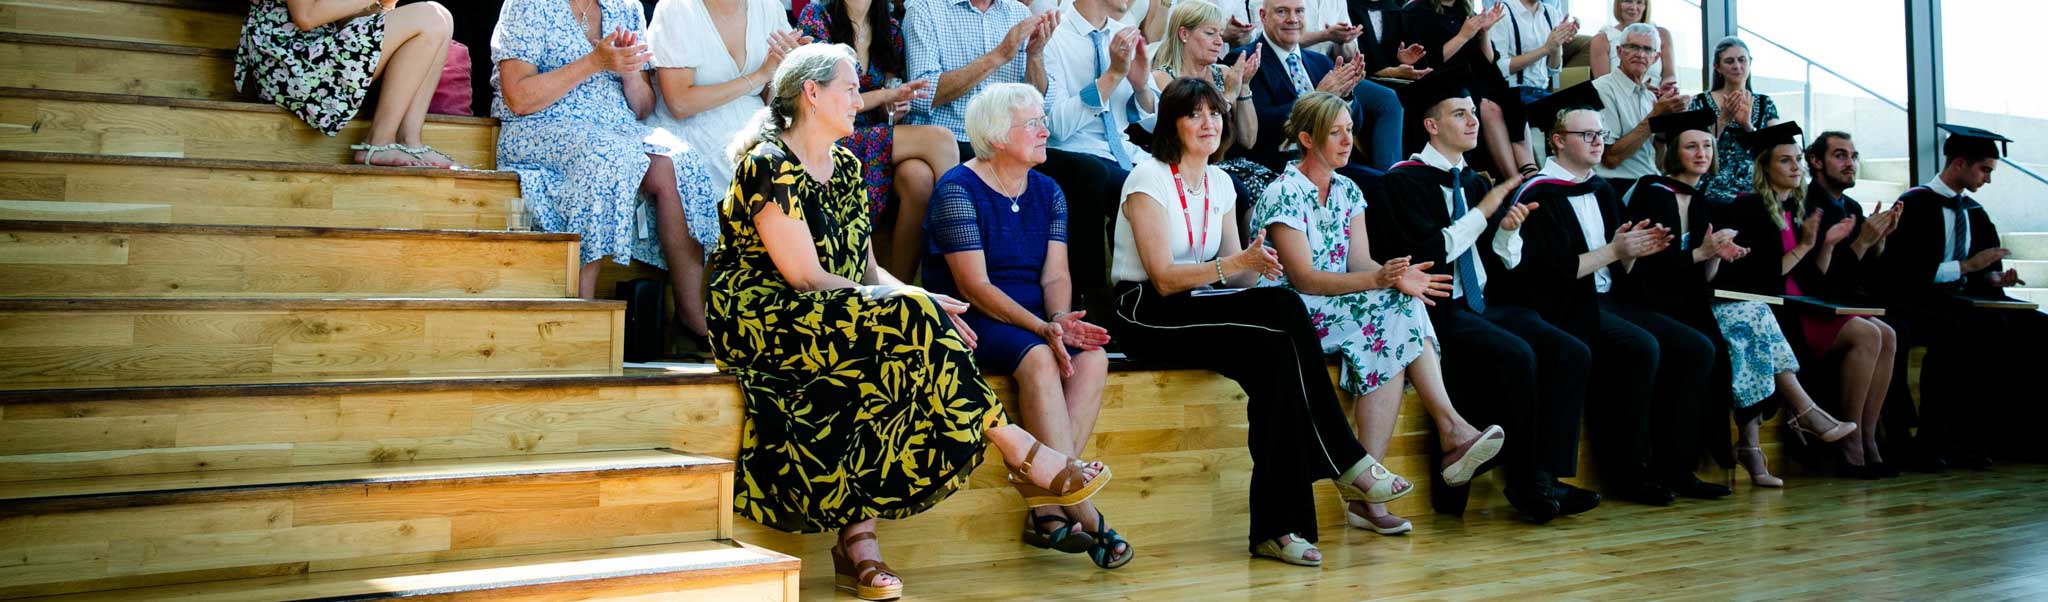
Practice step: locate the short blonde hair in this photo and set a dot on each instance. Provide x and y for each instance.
(1186, 14)
(989, 115)
(1312, 114)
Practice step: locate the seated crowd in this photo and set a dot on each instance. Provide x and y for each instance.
(1035, 163)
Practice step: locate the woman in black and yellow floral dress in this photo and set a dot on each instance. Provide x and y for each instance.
(862, 398)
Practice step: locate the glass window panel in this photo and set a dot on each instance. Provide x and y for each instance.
(1983, 42)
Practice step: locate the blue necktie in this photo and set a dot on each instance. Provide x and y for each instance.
(1109, 131)
(1958, 252)
(1468, 269)
(1299, 76)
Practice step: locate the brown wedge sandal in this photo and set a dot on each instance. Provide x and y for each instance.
(1067, 488)
(860, 578)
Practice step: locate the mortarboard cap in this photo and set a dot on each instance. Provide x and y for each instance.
(1444, 83)
(1974, 143)
(1762, 141)
(1543, 113)
(1670, 125)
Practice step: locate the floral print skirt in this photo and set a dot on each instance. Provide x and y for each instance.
(1757, 349)
(320, 75)
(1377, 333)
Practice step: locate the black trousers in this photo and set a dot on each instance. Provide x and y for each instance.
(1651, 373)
(1513, 369)
(1973, 395)
(1260, 338)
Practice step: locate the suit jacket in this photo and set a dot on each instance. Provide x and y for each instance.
(1273, 97)
(1547, 279)
(1920, 245)
(1409, 218)
(1670, 281)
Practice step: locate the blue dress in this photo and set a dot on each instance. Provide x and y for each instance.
(967, 215)
(580, 160)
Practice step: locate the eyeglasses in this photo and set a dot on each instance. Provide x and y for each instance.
(1637, 48)
(1589, 136)
(1032, 124)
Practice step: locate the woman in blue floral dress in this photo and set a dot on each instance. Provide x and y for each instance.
(1368, 313)
(322, 72)
(572, 85)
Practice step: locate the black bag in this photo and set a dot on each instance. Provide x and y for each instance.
(646, 320)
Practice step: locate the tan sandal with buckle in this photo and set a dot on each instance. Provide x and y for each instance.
(1067, 487)
(1382, 489)
(860, 578)
(1295, 552)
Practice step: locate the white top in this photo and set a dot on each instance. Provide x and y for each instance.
(1132, 18)
(1586, 208)
(1614, 40)
(1156, 180)
(1534, 27)
(682, 37)
(1463, 233)
(1075, 120)
(1627, 104)
(1950, 270)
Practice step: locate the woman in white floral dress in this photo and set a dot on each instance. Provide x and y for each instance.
(572, 80)
(1367, 313)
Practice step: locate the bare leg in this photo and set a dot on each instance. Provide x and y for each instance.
(1014, 442)
(1044, 412)
(415, 44)
(1493, 132)
(685, 256)
(1881, 380)
(588, 279)
(1373, 418)
(922, 153)
(409, 130)
(1859, 343)
(867, 549)
(1428, 375)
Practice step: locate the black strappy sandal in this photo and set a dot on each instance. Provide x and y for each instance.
(1105, 543)
(1068, 537)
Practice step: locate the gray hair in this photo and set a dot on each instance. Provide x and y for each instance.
(1646, 30)
(1714, 62)
(989, 116)
(807, 63)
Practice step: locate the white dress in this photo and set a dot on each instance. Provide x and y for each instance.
(683, 37)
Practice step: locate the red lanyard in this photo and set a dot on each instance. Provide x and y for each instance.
(1180, 188)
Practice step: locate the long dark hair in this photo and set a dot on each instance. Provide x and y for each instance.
(881, 49)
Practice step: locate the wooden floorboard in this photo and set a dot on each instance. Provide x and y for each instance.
(1960, 535)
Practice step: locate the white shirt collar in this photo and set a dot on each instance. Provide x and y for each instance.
(1556, 169)
(1434, 158)
(1941, 188)
(1072, 16)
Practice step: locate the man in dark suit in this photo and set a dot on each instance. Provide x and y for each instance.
(1943, 255)
(1287, 70)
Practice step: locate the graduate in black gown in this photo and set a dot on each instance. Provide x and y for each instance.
(1454, 37)
(1650, 372)
(1945, 253)
(1513, 368)
(1831, 163)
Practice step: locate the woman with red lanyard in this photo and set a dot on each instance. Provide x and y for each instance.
(1181, 298)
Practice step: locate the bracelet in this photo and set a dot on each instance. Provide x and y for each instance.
(1219, 272)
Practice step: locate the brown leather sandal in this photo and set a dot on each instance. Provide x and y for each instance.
(1067, 486)
(860, 577)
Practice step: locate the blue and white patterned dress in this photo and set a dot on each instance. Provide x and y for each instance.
(580, 160)
(1377, 332)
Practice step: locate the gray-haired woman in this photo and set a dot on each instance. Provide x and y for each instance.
(861, 394)
(1738, 110)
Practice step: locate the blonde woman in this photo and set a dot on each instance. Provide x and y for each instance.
(1607, 46)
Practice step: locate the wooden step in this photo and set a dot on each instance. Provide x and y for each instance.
(112, 67)
(82, 259)
(698, 570)
(111, 430)
(2026, 245)
(72, 535)
(103, 188)
(113, 124)
(136, 341)
(202, 25)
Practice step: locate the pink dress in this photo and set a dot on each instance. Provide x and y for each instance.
(1820, 329)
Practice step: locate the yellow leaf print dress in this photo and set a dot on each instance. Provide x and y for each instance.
(860, 402)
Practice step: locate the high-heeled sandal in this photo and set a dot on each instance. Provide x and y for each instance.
(1384, 524)
(1066, 488)
(860, 578)
(1466, 460)
(1295, 552)
(1760, 470)
(1382, 489)
(1103, 549)
(1820, 424)
(1068, 537)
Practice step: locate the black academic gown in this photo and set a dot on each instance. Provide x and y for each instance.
(1847, 278)
(1671, 283)
(1547, 278)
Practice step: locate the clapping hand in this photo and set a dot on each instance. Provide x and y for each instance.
(1067, 330)
(2006, 279)
(1720, 244)
(779, 45)
(1235, 29)
(1235, 76)
(1839, 231)
(1343, 77)
(1640, 239)
(1415, 280)
(1409, 53)
(1040, 36)
(1563, 33)
(1878, 227)
(1518, 214)
(1809, 227)
(1256, 257)
(622, 52)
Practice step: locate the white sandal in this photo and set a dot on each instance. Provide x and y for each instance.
(371, 150)
(1295, 552)
(421, 152)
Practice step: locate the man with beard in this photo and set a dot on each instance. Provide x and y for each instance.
(1831, 159)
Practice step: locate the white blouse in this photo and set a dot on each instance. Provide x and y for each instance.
(682, 37)
(1156, 180)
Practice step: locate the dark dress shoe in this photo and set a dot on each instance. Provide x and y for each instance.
(1691, 486)
(1642, 492)
(1533, 501)
(1573, 500)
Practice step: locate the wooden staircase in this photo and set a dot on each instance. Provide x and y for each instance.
(234, 367)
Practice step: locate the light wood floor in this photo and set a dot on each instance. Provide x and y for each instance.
(1955, 536)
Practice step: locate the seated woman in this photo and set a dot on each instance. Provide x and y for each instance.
(1781, 244)
(317, 59)
(862, 397)
(1195, 48)
(1674, 282)
(1454, 37)
(1368, 313)
(999, 238)
(712, 60)
(1739, 110)
(569, 125)
(1606, 48)
(898, 157)
(1167, 249)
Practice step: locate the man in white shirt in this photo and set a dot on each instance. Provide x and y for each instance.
(1631, 99)
(1650, 372)
(1528, 44)
(1515, 369)
(1102, 64)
